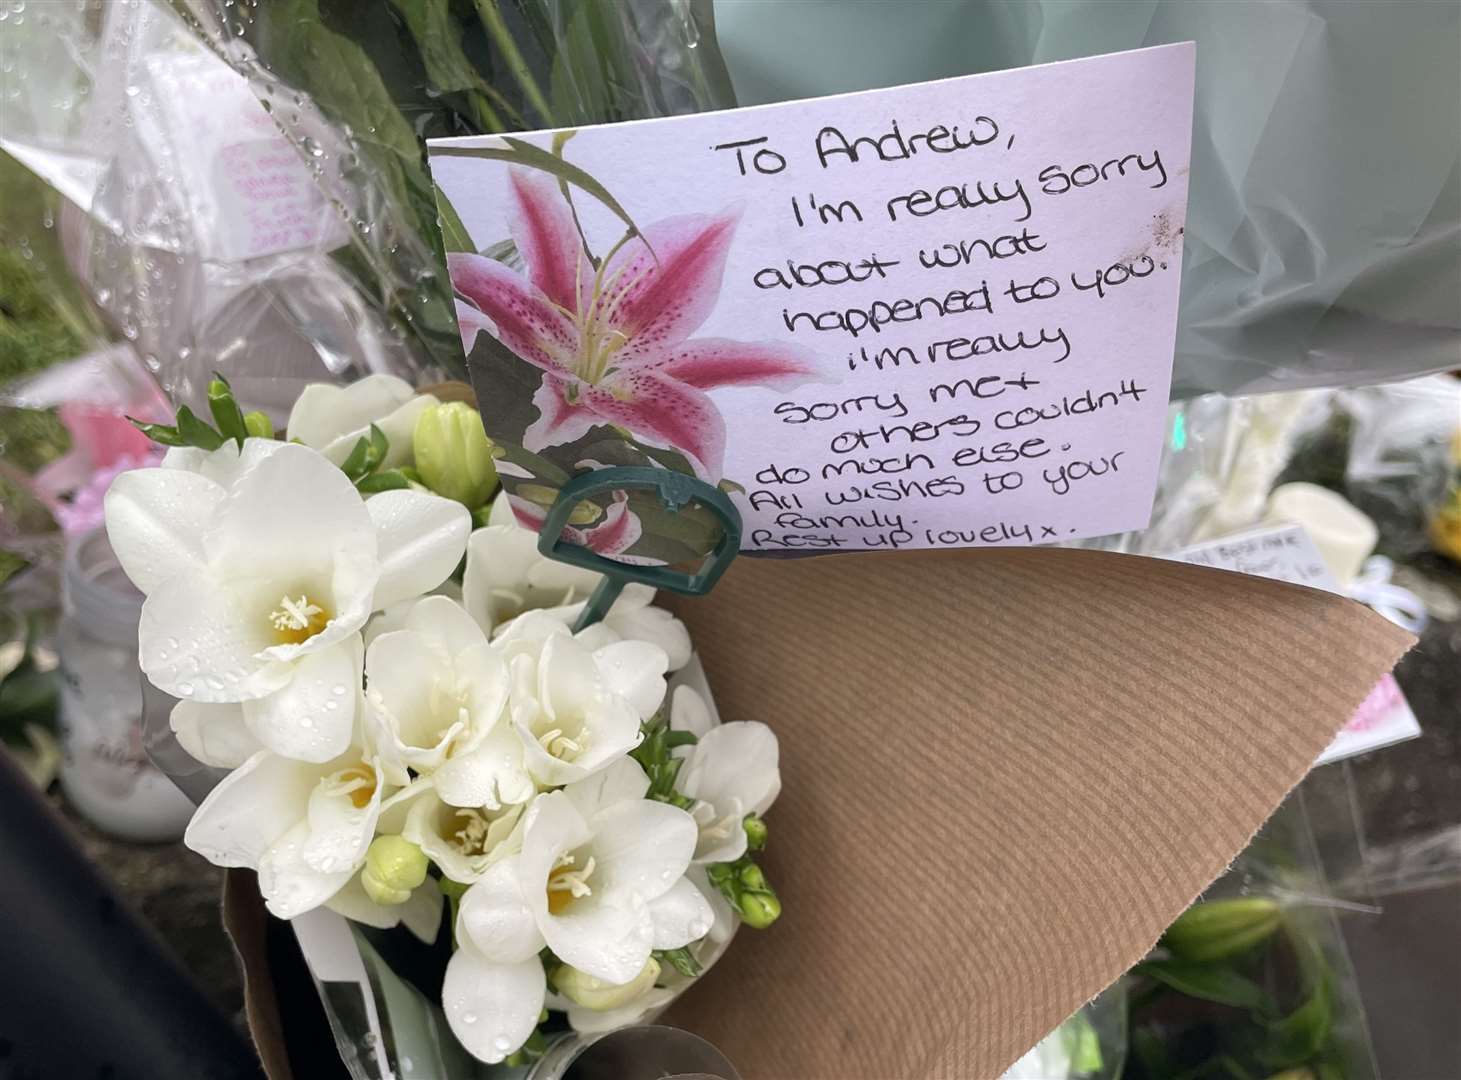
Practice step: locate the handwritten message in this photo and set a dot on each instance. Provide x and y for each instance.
(1286, 553)
(247, 184)
(940, 315)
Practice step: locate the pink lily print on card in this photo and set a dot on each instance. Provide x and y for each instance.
(613, 338)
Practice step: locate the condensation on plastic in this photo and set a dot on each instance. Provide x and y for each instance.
(1398, 464)
(356, 90)
(245, 184)
(187, 218)
(1323, 240)
(1220, 459)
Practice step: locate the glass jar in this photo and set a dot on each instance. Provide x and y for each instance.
(105, 772)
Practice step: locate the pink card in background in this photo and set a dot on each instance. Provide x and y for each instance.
(938, 315)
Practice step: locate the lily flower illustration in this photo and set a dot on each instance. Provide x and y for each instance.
(614, 340)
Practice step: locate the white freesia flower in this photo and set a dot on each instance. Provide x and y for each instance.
(733, 770)
(304, 827)
(577, 710)
(332, 419)
(260, 566)
(600, 878)
(492, 1006)
(463, 841)
(633, 617)
(438, 692)
(507, 576)
(420, 913)
(214, 734)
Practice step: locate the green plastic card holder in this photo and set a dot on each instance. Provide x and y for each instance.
(676, 491)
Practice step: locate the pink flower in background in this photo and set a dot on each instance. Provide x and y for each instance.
(103, 444)
(619, 530)
(614, 343)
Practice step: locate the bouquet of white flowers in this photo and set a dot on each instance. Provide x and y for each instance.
(409, 715)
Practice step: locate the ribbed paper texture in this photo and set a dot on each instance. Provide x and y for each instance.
(1005, 773)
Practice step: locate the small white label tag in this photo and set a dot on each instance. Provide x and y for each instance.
(251, 193)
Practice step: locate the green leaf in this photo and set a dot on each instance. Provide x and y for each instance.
(226, 413)
(366, 455)
(390, 480)
(680, 959)
(1301, 1034)
(536, 464)
(521, 152)
(1207, 982)
(454, 235)
(196, 433)
(438, 39)
(379, 444)
(159, 433)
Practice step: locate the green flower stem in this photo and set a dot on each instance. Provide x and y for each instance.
(497, 29)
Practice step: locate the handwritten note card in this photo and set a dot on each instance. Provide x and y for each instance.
(1286, 553)
(936, 315)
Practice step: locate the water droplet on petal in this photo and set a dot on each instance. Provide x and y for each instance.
(502, 1043)
(306, 722)
(185, 689)
(338, 690)
(469, 1018)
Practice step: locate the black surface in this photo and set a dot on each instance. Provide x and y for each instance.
(87, 992)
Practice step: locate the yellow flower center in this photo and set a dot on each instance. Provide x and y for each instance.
(297, 619)
(567, 883)
(356, 781)
(471, 838)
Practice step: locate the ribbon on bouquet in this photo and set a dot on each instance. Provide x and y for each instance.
(1372, 587)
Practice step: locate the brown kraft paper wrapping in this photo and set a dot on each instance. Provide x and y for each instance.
(1005, 773)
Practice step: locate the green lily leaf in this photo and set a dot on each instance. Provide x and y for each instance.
(1301, 1034)
(438, 39)
(454, 235)
(521, 152)
(1207, 982)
